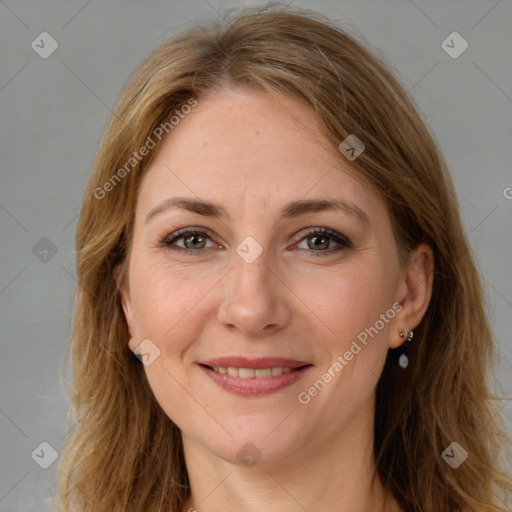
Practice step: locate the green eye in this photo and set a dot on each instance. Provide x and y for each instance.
(193, 239)
(322, 239)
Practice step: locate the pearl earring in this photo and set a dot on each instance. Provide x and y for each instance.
(403, 360)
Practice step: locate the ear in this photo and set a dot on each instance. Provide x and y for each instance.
(123, 287)
(414, 292)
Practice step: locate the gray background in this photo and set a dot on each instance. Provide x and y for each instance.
(53, 112)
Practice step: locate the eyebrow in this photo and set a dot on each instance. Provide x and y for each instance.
(291, 210)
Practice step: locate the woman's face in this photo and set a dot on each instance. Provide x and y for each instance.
(257, 285)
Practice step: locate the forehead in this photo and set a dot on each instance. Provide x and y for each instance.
(250, 148)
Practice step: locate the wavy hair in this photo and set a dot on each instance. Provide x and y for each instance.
(123, 452)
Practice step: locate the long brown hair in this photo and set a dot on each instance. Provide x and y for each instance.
(124, 453)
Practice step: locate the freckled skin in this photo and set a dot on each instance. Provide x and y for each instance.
(253, 153)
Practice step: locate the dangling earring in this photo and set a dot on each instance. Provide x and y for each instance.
(403, 360)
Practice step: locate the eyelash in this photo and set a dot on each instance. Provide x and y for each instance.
(340, 239)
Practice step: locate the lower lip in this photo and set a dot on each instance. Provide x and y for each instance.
(255, 386)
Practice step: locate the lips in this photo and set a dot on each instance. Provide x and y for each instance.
(253, 377)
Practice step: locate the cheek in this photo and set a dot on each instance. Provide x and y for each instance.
(356, 308)
(171, 303)
(169, 310)
(350, 300)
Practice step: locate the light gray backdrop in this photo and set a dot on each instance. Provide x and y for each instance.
(53, 112)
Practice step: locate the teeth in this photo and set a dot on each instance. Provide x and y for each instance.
(245, 373)
(250, 373)
(233, 372)
(263, 373)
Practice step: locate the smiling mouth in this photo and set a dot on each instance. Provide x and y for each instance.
(252, 373)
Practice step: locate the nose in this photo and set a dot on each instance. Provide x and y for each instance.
(256, 300)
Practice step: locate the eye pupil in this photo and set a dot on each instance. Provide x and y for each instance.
(189, 243)
(320, 245)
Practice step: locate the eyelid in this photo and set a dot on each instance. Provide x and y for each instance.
(180, 233)
(319, 230)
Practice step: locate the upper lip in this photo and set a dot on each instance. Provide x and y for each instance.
(263, 362)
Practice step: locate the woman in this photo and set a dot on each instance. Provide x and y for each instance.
(271, 230)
